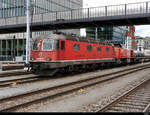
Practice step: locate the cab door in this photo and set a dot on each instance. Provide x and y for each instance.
(62, 50)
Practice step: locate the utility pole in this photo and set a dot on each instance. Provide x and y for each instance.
(96, 33)
(14, 45)
(28, 31)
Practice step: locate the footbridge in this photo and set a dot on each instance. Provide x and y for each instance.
(116, 15)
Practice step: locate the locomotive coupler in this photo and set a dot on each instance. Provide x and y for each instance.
(27, 66)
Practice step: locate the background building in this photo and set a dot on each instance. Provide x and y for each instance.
(108, 33)
(120, 34)
(130, 42)
(12, 45)
(143, 44)
(10, 8)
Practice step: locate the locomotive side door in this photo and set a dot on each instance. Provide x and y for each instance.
(62, 50)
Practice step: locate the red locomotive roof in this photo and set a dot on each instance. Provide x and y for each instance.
(72, 38)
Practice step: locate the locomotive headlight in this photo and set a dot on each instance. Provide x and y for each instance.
(48, 59)
(40, 54)
(32, 59)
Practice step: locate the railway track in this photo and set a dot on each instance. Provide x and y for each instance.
(17, 102)
(135, 100)
(9, 83)
(28, 79)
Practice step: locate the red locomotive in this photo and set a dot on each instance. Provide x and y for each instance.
(69, 53)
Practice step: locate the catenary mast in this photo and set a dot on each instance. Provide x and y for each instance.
(28, 31)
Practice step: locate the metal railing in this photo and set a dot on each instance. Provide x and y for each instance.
(142, 8)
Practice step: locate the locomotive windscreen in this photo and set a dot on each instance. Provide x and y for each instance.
(49, 45)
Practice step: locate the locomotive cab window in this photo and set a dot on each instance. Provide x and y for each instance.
(89, 48)
(36, 45)
(107, 49)
(99, 49)
(62, 45)
(49, 45)
(76, 47)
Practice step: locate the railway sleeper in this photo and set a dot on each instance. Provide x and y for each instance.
(136, 101)
(122, 109)
(112, 111)
(130, 106)
(143, 94)
(136, 104)
(140, 97)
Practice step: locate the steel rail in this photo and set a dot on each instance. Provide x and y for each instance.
(147, 108)
(8, 83)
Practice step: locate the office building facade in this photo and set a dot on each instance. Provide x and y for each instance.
(12, 45)
(10, 8)
(113, 34)
(143, 44)
(130, 42)
(108, 33)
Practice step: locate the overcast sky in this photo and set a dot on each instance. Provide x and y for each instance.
(142, 30)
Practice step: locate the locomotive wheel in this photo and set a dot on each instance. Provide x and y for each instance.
(93, 67)
(71, 68)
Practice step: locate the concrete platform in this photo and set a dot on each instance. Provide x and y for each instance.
(11, 62)
(13, 72)
(5, 66)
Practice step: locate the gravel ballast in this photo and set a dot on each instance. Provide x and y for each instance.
(93, 98)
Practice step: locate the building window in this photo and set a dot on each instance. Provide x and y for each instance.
(99, 49)
(89, 48)
(76, 47)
